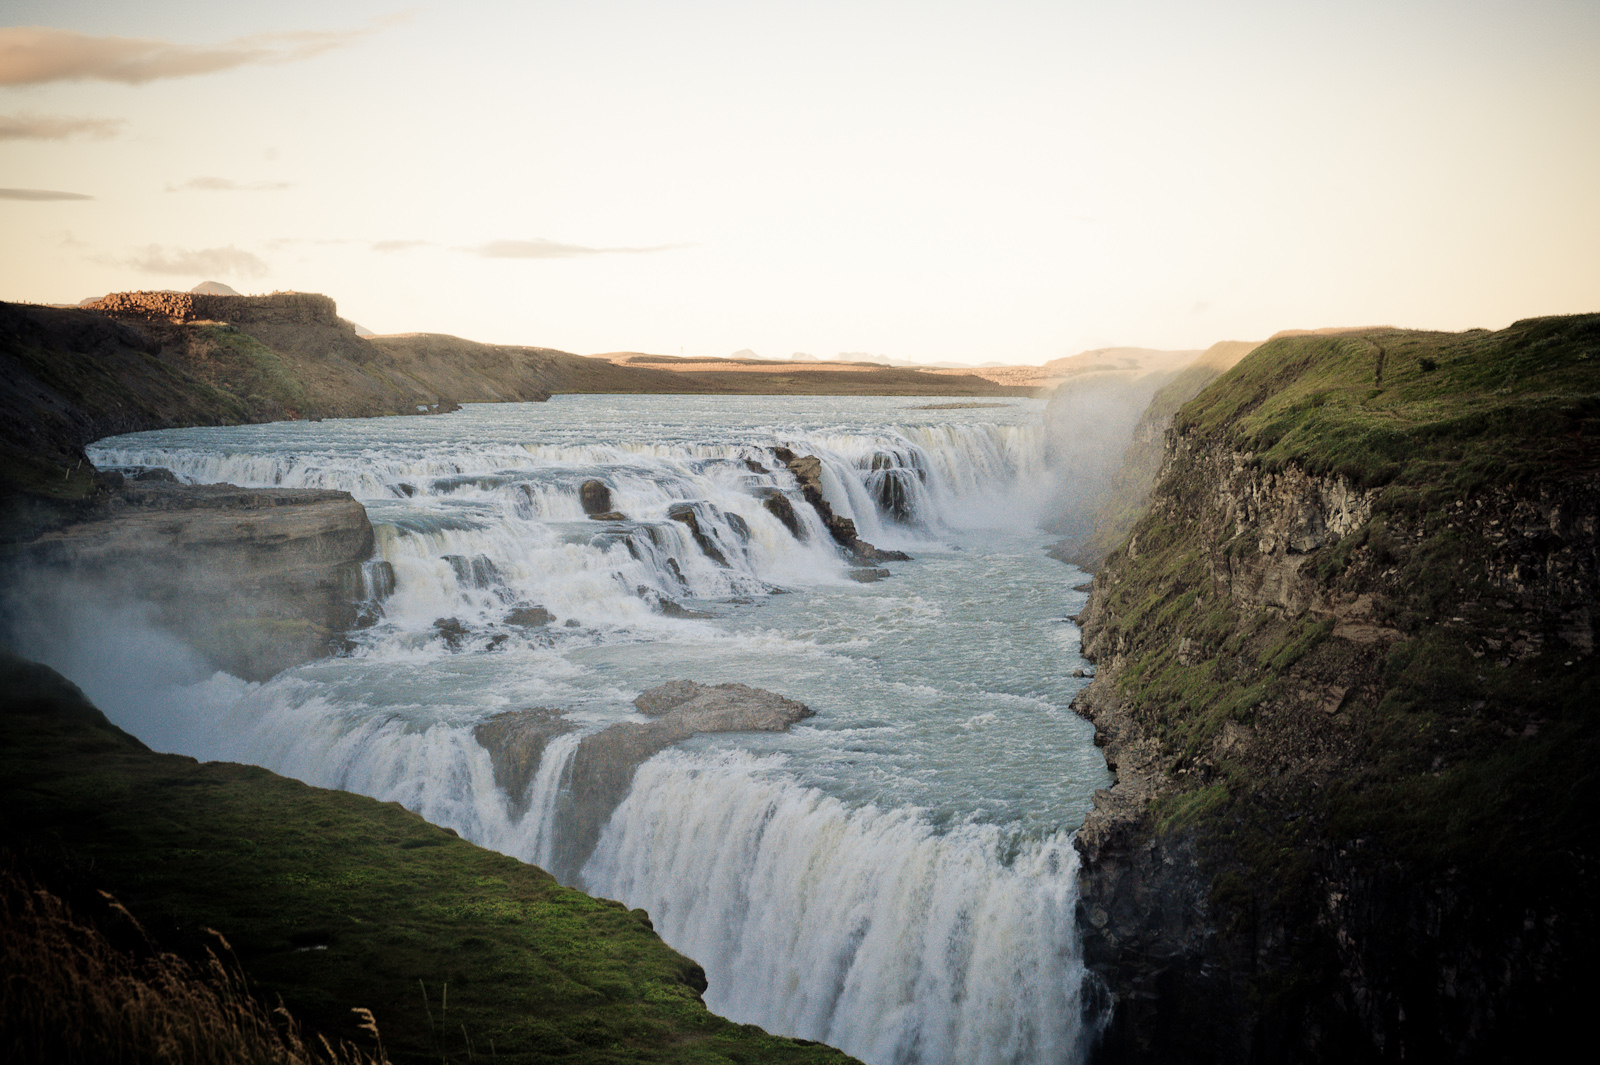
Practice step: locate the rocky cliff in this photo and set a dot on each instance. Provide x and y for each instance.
(256, 580)
(1345, 676)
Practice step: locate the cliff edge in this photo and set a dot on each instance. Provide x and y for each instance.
(1346, 678)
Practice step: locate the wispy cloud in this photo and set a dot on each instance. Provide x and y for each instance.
(35, 55)
(41, 194)
(399, 245)
(28, 127)
(218, 184)
(203, 261)
(539, 248)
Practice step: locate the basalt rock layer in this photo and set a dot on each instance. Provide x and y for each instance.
(1346, 678)
(255, 579)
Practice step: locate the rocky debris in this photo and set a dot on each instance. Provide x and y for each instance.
(530, 617)
(516, 741)
(867, 574)
(257, 580)
(807, 469)
(685, 513)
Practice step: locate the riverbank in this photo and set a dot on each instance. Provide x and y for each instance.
(337, 902)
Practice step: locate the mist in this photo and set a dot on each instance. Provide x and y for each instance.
(1090, 422)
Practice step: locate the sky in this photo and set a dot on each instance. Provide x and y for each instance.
(998, 181)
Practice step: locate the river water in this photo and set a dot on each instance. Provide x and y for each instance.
(893, 876)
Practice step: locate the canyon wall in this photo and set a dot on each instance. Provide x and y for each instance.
(1345, 677)
(256, 580)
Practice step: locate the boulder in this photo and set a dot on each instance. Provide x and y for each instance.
(595, 496)
(530, 617)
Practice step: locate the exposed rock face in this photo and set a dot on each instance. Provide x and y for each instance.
(807, 469)
(256, 579)
(602, 769)
(1301, 924)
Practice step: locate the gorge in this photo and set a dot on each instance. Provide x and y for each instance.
(1342, 670)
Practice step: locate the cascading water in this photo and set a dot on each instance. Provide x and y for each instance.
(893, 876)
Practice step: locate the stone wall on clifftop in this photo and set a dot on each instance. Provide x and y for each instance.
(201, 307)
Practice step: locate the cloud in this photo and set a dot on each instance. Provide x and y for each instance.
(26, 127)
(539, 248)
(204, 261)
(35, 55)
(399, 245)
(41, 194)
(218, 184)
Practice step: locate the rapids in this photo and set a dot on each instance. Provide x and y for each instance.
(893, 876)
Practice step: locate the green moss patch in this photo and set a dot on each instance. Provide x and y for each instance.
(336, 902)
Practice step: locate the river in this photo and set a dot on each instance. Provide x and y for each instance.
(893, 876)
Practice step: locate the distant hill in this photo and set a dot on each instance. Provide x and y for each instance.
(213, 288)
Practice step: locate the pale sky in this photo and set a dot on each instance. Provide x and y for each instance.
(969, 181)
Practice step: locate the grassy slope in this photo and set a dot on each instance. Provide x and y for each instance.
(1444, 759)
(1450, 412)
(388, 904)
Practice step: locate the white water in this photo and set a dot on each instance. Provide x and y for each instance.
(895, 875)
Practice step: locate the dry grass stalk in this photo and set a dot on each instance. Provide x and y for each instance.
(69, 995)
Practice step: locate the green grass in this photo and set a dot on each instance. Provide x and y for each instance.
(1446, 411)
(1434, 749)
(335, 901)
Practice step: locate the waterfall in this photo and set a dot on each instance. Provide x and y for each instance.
(836, 882)
(864, 929)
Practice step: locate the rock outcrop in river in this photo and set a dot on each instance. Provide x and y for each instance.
(1346, 678)
(602, 767)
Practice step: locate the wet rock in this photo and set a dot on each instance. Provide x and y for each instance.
(516, 740)
(867, 574)
(603, 767)
(685, 513)
(807, 469)
(609, 515)
(779, 507)
(672, 609)
(721, 707)
(451, 631)
(530, 617)
(595, 497)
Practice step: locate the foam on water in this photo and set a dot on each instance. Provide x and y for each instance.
(894, 876)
